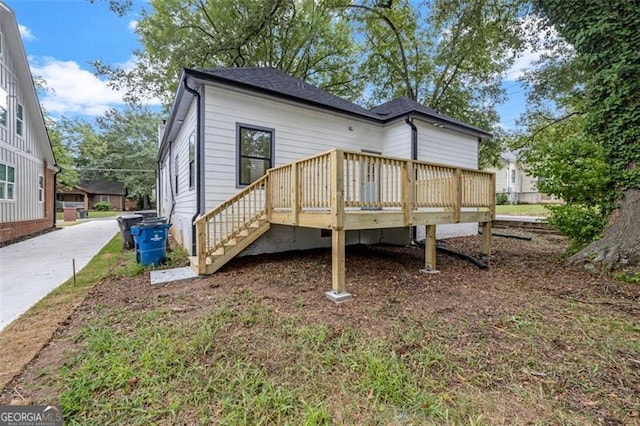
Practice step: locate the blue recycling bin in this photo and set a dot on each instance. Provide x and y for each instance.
(151, 242)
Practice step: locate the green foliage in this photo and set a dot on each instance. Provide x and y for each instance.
(604, 38)
(102, 206)
(121, 146)
(581, 223)
(502, 199)
(449, 55)
(631, 278)
(307, 39)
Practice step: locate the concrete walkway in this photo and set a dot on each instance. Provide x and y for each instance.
(30, 269)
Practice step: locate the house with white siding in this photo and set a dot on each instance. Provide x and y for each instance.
(255, 152)
(27, 164)
(514, 180)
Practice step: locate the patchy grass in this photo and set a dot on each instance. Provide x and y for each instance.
(523, 210)
(257, 343)
(93, 214)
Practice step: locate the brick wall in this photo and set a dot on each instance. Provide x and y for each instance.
(12, 230)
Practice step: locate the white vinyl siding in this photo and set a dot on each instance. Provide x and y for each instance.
(444, 146)
(299, 132)
(438, 145)
(185, 200)
(25, 204)
(397, 140)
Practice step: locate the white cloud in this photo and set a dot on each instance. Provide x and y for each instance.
(523, 63)
(73, 90)
(133, 25)
(25, 33)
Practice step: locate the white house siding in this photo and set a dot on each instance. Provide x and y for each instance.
(397, 140)
(438, 145)
(299, 132)
(23, 152)
(184, 197)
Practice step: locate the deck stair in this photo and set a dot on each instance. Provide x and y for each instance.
(231, 227)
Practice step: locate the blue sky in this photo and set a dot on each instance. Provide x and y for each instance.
(63, 37)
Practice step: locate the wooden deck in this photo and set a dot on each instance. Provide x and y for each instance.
(341, 191)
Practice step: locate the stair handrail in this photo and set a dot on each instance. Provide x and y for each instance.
(229, 201)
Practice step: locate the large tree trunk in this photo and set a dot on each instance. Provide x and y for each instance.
(619, 247)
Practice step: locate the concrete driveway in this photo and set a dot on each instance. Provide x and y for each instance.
(30, 269)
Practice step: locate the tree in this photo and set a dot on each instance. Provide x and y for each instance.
(604, 36)
(450, 55)
(121, 146)
(68, 177)
(304, 38)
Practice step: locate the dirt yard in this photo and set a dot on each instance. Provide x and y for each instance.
(524, 342)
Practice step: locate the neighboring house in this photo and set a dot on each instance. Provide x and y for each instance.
(513, 180)
(87, 193)
(27, 163)
(227, 127)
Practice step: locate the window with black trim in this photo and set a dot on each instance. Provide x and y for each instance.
(175, 171)
(7, 182)
(255, 149)
(19, 120)
(40, 188)
(192, 160)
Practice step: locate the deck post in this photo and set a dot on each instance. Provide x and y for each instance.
(430, 251)
(339, 292)
(408, 191)
(456, 194)
(485, 249)
(295, 194)
(201, 246)
(492, 192)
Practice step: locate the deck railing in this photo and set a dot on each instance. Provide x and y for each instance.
(223, 223)
(338, 183)
(374, 182)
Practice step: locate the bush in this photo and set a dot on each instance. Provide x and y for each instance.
(102, 206)
(582, 224)
(502, 199)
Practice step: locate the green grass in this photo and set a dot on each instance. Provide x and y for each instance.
(522, 210)
(94, 214)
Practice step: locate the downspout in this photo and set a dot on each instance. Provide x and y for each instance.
(199, 153)
(414, 156)
(55, 191)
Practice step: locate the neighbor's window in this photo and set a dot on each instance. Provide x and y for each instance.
(19, 119)
(40, 188)
(513, 176)
(192, 160)
(3, 107)
(7, 182)
(255, 148)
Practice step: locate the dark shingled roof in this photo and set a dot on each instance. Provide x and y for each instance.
(403, 106)
(273, 82)
(103, 187)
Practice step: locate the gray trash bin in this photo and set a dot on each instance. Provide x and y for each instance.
(125, 222)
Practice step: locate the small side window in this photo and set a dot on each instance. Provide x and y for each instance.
(40, 188)
(19, 120)
(192, 160)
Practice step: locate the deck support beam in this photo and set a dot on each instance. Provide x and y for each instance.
(485, 248)
(430, 251)
(339, 291)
